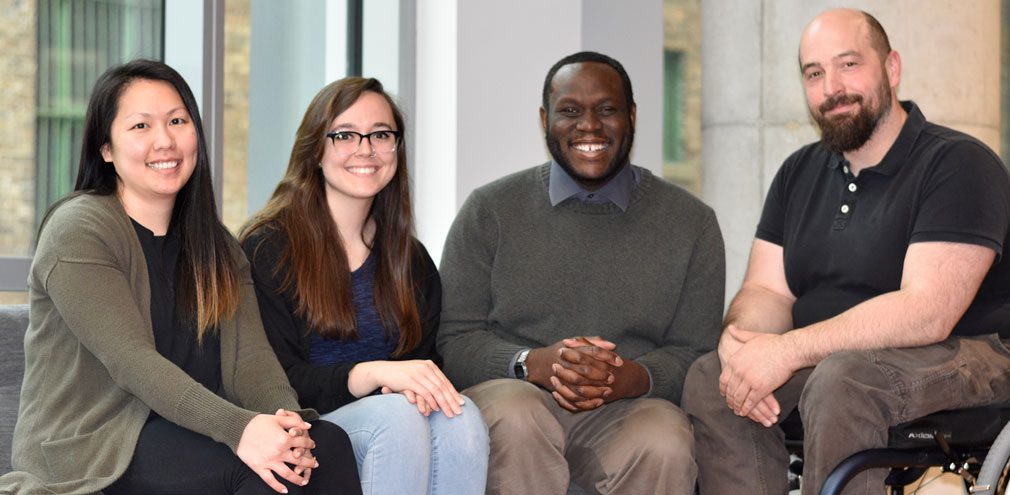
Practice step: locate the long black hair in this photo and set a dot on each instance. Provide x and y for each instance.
(207, 278)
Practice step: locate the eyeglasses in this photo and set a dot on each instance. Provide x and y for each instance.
(348, 142)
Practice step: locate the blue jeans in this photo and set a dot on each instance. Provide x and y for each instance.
(399, 451)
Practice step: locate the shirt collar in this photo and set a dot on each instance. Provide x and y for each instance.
(618, 190)
(897, 155)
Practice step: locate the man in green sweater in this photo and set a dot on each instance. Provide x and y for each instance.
(576, 294)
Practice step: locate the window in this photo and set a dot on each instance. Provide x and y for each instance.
(682, 93)
(77, 42)
(673, 97)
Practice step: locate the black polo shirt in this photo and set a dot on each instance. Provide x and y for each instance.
(844, 237)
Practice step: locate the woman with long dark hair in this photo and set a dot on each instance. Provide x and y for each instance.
(351, 300)
(147, 369)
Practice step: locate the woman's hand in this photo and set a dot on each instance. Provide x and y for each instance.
(422, 406)
(267, 446)
(419, 380)
(304, 472)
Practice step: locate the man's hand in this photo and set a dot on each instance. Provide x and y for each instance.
(757, 368)
(728, 345)
(589, 374)
(584, 375)
(596, 374)
(767, 409)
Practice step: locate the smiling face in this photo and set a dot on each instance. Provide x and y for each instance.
(362, 174)
(153, 145)
(849, 86)
(588, 124)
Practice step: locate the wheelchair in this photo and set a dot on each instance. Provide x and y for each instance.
(956, 441)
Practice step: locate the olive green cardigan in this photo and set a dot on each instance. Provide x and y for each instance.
(92, 374)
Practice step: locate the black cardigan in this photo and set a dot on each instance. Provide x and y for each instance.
(324, 388)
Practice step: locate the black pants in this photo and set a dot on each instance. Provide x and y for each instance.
(170, 459)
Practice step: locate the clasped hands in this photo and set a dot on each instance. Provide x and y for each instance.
(754, 364)
(584, 373)
(278, 444)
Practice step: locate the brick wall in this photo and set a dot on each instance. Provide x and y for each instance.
(236, 113)
(17, 125)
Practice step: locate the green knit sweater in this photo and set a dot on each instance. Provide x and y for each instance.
(92, 373)
(517, 272)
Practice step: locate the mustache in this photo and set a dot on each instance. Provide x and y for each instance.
(843, 99)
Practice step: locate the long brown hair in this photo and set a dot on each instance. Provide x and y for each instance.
(207, 287)
(320, 274)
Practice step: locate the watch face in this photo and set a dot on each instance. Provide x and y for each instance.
(520, 367)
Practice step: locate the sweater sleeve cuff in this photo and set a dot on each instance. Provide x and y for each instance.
(502, 359)
(218, 418)
(648, 372)
(661, 384)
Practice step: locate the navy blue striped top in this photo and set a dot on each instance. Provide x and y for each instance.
(372, 343)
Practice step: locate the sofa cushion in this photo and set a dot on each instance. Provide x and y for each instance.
(13, 323)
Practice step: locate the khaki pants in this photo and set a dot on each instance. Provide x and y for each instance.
(847, 402)
(630, 446)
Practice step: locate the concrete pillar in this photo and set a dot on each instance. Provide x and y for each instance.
(754, 112)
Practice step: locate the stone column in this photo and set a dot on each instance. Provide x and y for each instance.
(754, 112)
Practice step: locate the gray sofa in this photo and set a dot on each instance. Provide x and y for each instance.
(13, 323)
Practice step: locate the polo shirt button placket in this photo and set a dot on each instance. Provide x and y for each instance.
(848, 200)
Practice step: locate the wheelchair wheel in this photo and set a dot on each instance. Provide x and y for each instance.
(992, 477)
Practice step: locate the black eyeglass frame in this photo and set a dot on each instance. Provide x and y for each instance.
(362, 137)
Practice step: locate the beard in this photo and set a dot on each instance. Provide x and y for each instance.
(847, 133)
(615, 166)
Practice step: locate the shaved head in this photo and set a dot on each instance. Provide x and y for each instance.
(868, 26)
(849, 72)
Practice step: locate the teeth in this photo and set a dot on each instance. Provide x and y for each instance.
(589, 147)
(163, 165)
(361, 170)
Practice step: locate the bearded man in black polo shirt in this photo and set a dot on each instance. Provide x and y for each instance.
(878, 286)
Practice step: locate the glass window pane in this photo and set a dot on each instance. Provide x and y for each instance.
(77, 42)
(682, 93)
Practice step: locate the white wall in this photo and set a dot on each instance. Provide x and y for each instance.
(287, 67)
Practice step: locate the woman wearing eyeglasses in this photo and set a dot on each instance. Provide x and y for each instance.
(350, 300)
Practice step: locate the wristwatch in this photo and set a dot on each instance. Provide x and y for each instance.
(520, 367)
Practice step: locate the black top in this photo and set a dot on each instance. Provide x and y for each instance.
(324, 388)
(173, 338)
(844, 237)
